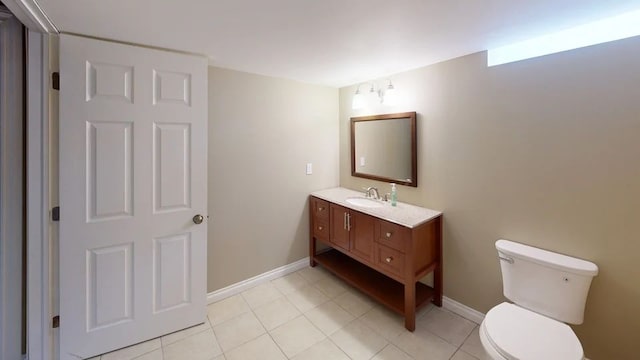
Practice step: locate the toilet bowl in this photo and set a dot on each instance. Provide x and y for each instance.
(510, 332)
(548, 290)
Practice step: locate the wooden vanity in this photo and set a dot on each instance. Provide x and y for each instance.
(382, 251)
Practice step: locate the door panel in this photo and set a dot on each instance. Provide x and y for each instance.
(110, 280)
(172, 262)
(172, 166)
(109, 175)
(171, 87)
(109, 82)
(132, 176)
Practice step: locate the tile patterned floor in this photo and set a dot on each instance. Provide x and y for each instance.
(309, 315)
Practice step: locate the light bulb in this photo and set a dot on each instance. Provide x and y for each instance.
(390, 95)
(358, 100)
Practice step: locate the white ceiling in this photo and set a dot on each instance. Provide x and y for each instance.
(329, 42)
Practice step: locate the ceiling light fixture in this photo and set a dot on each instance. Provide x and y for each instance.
(386, 95)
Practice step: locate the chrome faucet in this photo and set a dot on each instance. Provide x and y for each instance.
(372, 192)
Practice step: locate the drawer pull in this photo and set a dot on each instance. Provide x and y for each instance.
(388, 234)
(389, 259)
(320, 208)
(319, 227)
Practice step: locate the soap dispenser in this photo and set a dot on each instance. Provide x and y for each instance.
(394, 195)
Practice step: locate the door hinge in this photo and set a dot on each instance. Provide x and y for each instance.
(55, 322)
(55, 213)
(55, 80)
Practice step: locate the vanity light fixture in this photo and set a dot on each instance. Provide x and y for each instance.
(386, 95)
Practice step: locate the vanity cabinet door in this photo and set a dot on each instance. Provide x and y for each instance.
(362, 235)
(339, 227)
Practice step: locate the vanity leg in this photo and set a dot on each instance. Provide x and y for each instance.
(410, 306)
(312, 240)
(437, 273)
(312, 252)
(437, 283)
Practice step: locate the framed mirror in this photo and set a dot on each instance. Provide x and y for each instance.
(384, 147)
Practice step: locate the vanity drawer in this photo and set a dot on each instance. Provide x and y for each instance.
(390, 260)
(320, 208)
(321, 230)
(393, 235)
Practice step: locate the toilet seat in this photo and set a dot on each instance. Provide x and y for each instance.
(520, 334)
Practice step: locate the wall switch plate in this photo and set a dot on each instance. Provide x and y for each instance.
(362, 162)
(309, 168)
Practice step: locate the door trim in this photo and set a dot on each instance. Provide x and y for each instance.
(12, 189)
(31, 15)
(39, 286)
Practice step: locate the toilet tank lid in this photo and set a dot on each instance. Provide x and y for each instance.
(547, 258)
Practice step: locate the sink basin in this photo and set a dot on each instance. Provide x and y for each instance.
(364, 202)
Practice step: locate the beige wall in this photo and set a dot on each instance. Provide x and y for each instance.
(544, 152)
(262, 132)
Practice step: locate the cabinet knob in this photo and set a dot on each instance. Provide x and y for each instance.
(388, 234)
(319, 227)
(320, 208)
(389, 259)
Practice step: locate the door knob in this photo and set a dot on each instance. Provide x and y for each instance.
(198, 219)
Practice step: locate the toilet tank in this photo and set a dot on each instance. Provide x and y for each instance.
(545, 282)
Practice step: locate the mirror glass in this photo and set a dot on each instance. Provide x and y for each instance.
(383, 147)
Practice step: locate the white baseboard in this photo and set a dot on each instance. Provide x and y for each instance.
(241, 286)
(462, 310)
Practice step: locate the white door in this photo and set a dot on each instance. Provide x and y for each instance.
(132, 178)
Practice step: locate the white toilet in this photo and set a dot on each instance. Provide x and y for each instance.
(547, 290)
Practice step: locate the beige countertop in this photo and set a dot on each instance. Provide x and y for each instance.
(403, 214)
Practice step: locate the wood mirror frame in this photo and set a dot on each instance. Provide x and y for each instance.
(411, 117)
